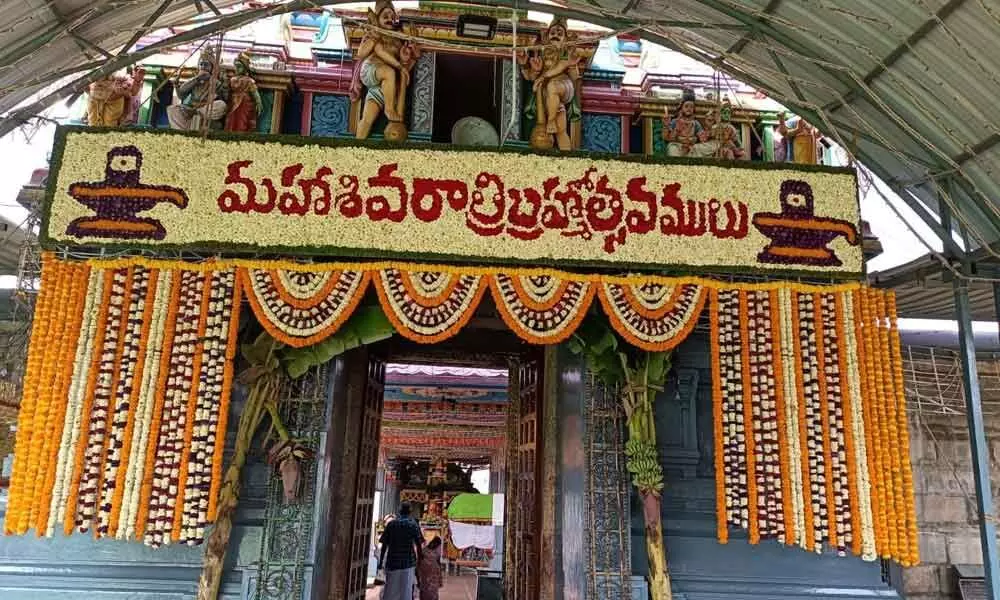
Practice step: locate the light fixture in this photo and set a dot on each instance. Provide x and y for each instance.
(478, 27)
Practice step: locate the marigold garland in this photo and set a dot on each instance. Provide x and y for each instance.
(541, 309)
(130, 372)
(823, 368)
(89, 434)
(428, 306)
(301, 307)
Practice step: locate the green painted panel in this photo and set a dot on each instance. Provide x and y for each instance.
(264, 119)
(659, 146)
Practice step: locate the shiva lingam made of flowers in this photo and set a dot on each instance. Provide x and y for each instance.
(797, 235)
(119, 198)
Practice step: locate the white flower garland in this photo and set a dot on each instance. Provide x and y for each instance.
(792, 415)
(868, 551)
(74, 402)
(144, 408)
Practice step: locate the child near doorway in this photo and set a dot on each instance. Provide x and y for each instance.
(429, 577)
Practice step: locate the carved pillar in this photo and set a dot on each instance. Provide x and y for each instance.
(422, 106)
(609, 543)
(511, 102)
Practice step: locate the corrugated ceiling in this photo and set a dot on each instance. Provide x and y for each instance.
(909, 86)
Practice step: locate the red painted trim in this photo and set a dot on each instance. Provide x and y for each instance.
(307, 111)
(329, 79)
(615, 104)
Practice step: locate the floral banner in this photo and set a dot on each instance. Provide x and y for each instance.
(305, 196)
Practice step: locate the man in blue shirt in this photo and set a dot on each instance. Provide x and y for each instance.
(401, 543)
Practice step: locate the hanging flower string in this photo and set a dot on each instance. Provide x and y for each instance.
(101, 415)
(816, 453)
(129, 377)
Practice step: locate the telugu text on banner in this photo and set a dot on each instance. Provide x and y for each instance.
(307, 197)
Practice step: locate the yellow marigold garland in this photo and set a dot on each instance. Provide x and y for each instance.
(16, 519)
(879, 419)
(906, 468)
(846, 395)
(91, 368)
(79, 280)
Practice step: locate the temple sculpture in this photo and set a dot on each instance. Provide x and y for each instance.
(382, 66)
(555, 76)
(245, 103)
(720, 135)
(201, 97)
(683, 133)
(799, 140)
(114, 100)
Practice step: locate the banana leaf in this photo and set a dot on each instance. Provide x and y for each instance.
(367, 325)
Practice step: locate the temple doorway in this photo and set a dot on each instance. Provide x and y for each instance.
(478, 94)
(456, 436)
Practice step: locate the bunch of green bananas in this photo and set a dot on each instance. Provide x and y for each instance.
(644, 465)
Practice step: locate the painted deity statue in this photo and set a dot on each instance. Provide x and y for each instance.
(200, 97)
(721, 135)
(799, 140)
(683, 133)
(245, 104)
(555, 73)
(383, 65)
(114, 100)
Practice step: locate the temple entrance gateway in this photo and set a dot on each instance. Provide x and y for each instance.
(456, 434)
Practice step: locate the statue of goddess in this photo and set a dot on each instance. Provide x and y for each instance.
(382, 65)
(799, 140)
(683, 133)
(114, 100)
(200, 97)
(555, 104)
(245, 104)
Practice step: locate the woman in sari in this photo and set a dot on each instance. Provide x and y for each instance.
(429, 578)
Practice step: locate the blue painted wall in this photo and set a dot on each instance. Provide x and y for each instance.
(700, 567)
(80, 567)
(601, 133)
(329, 115)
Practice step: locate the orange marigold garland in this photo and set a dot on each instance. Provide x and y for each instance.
(541, 309)
(814, 441)
(793, 366)
(428, 306)
(77, 369)
(90, 435)
(80, 282)
(781, 426)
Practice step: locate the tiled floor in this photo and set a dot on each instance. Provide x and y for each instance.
(456, 587)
